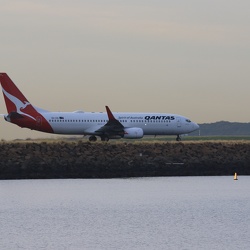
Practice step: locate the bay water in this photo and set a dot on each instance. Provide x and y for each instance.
(134, 213)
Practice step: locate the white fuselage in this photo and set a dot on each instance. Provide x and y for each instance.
(86, 123)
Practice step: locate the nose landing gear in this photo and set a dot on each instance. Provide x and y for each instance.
(178, 138)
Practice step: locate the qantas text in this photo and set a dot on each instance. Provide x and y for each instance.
(159, 117)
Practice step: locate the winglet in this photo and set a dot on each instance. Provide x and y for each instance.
(110, 115)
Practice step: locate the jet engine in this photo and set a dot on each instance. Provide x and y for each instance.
(133, 133)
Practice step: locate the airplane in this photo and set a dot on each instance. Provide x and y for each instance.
(107, 125)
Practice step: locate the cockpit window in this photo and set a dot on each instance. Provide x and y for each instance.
(187, 120)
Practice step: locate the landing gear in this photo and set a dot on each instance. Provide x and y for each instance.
(104, 138)
(178, 138)
(92, 138)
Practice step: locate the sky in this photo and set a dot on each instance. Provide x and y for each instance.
(185, 57)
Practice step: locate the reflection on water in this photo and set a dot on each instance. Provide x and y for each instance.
(139, 213)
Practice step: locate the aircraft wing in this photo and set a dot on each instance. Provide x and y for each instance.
(112, 127)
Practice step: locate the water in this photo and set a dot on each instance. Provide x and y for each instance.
(140, 213)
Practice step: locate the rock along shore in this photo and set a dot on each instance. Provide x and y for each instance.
(34, 160)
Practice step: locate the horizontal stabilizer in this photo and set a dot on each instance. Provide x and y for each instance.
(14, 115)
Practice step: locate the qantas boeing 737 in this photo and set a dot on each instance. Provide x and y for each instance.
(105, 125)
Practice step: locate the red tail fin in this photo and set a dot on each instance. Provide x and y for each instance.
(15, 101)
(13, 97)
(20, 111)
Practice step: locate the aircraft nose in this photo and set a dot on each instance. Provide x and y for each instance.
(195, 126)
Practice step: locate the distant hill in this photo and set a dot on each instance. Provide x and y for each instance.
(223, 128)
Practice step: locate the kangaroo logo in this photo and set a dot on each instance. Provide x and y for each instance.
(19, 104)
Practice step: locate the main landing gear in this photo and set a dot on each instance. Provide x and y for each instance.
(92, 138)
(103, 138)
(178, 138)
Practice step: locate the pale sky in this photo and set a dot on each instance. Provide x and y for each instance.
(185, 57)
